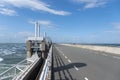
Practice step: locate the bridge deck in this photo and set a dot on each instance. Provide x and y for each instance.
(64, 68)
(72, 63)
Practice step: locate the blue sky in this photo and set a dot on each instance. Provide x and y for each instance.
(80, 21)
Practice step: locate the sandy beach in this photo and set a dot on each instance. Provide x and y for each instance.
(113, 50)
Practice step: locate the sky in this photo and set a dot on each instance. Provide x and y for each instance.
(64, 21)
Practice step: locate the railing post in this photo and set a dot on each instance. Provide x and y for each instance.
(15, 71)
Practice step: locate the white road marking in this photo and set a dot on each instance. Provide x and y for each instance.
(116, 62)
(66, 57)
(76, 68)
(86, 78)
(69, 60)
(116, 57)
(96, 53)
(105, 54)
(59, 50)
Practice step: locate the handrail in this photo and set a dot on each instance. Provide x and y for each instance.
(23, 65)
(25, 71)
(26, 68)
(12, 67)
(46, 68)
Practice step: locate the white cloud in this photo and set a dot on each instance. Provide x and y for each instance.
(18, 37)
(33, 5)
(44, 23)
(1, 5)
(91, 3)
(6, 11)
(23, 34)
(41, 22)
(3, 28)
(116, 25)
(116, 28)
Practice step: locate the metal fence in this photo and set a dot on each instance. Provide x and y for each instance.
(46, 72)
(15, 70)
(20, 69)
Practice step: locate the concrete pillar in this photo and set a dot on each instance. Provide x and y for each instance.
(43, 49)
(29, 50)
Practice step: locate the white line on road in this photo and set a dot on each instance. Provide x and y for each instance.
(116, 57)
(116, 62)
(66, 57)
(86, 78)
(76, 68)
(59, 50)
(96, 53)
(69, 60)
(105, 54)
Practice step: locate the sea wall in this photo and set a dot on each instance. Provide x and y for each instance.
(115, 50)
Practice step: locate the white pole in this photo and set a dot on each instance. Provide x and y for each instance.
(44, 34)
(38, 30)
(35, 29)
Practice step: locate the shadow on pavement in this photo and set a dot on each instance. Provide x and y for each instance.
(60, 70)
(69, 66)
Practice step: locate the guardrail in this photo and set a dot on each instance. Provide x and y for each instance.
(26, 72)
(46, 72)
(10, 73)
(20, 70)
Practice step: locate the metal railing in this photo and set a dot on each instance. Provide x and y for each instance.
(18, 71)
(15, 70)
(26, 71)
(46, 72)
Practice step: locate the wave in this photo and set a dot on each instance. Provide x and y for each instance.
(1, 59)
(8, 49)
(6, 52)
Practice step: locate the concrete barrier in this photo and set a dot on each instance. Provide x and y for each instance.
(114, 50)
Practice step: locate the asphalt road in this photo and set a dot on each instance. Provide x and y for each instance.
(71, 63)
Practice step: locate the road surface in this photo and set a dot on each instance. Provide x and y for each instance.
(71, 63)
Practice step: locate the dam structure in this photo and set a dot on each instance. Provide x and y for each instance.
(37, 65)
(51, 61)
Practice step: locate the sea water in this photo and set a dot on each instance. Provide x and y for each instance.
(11, 54)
